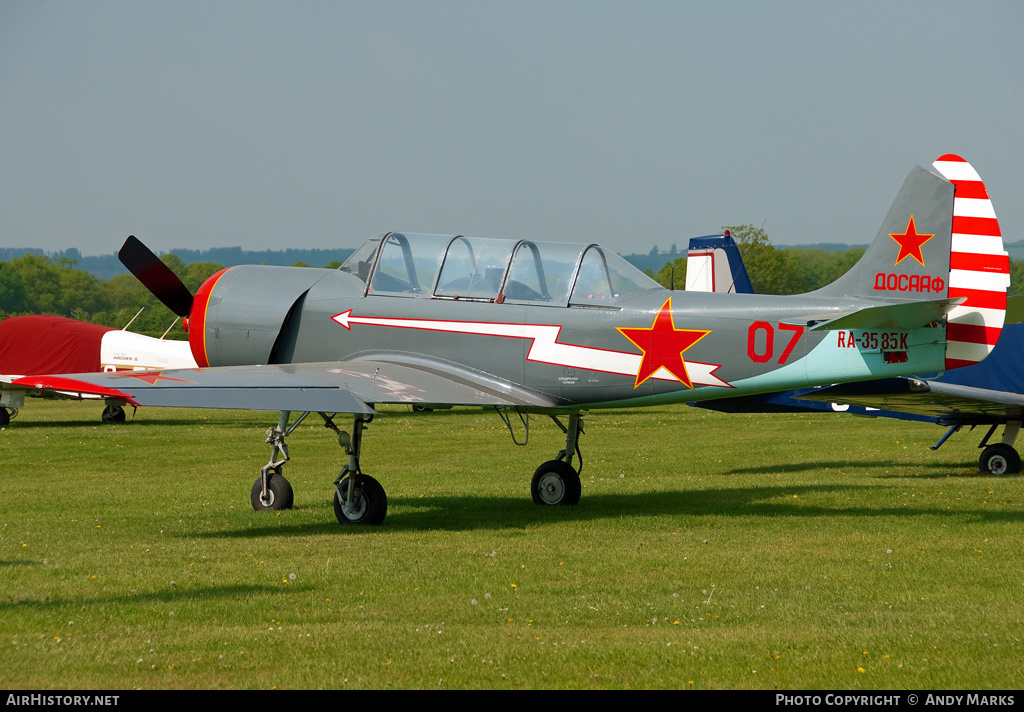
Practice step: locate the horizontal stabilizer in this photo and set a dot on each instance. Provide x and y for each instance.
(906, 316)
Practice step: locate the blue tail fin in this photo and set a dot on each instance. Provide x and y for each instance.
(713, 264)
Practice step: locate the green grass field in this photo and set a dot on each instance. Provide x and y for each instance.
(708, 551)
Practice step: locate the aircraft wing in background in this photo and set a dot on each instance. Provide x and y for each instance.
(947, 403)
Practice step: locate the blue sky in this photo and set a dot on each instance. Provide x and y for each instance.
(631, 124)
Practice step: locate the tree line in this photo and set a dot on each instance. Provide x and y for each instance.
(37, 284)
(793, 270)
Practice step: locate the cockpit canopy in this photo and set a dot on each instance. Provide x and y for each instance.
(494, 270)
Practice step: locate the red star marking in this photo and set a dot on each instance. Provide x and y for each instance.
(910, 243)
(663, 346)
(151, 377)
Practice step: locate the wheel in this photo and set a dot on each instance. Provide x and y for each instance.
(113, 414)
(556, 482)
(279, 493)
(999, 459)
(370, 506)
(5, 417)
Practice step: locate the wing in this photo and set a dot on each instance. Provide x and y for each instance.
(947, 402)
(332, 387)
(12, 395)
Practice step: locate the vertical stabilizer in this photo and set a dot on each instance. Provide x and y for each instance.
(940, 240)
(713, 264)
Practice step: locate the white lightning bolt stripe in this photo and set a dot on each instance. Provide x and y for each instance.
(545, 347)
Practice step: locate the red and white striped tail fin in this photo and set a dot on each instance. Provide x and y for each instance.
(979, 267)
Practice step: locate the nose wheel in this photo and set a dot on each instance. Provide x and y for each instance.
(277, 494)
(271, 490)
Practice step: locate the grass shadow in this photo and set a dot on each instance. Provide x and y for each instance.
(466, 513)
(168, 596)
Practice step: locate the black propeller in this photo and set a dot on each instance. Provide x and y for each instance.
(158, 277)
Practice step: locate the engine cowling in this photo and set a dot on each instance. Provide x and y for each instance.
(239, 312)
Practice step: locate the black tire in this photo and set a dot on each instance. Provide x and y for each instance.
(999, 459)
(5, 417)
(279, 493)
(113, 414)
(371, 502)
(556, 482)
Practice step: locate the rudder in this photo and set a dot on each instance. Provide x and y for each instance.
(979, 267)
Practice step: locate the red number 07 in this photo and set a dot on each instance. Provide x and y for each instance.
(763, 352)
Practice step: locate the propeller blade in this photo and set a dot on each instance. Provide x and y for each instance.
(156, 276)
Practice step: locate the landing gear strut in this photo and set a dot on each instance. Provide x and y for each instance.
(557, 481)
(358, 498)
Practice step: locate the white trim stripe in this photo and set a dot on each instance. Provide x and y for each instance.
(987, 281)
(992, 318)
(967, 351)
(955, 170)
(978, 244)
(545, 347)
(973, 208)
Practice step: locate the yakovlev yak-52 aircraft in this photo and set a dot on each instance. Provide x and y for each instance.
(559, 329)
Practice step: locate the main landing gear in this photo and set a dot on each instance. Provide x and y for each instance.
(360, 499)
(999, 458)
(113, 413)
(557, 481)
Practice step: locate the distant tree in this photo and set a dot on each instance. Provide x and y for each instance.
(198, 272)
(80, 293)
(176, 264)
(1016, 278)
(13, 297)
(42, 283)
(771, 271)
(672, 275)
(821, 267)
